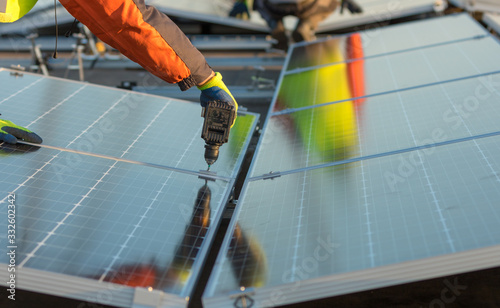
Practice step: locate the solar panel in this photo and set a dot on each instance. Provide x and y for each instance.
(133, 211)
(405, 37)
(382, 125)
(95, 119)
(369, 188)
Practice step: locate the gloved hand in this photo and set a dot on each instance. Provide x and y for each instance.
(240, 10)
(10, 132)
(216, 90)
(352, 6)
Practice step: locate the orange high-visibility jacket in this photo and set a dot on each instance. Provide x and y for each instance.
(144, 35)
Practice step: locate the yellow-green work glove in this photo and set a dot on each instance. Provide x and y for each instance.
(10, 132)
(216, 90)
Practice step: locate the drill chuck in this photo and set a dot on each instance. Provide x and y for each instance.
(211, 153)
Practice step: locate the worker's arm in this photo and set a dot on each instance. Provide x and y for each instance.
(146, 36)
(150, 38)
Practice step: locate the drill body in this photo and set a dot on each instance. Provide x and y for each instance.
(219, 118)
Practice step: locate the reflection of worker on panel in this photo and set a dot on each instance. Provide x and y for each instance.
(249, 257)
(177, 273)
(329, 131)
(309, 12)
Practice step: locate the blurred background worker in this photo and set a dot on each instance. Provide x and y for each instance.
(309, 12)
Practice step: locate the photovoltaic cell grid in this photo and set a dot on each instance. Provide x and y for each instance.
(93, 119)
(391, 78)
(399, 185)
(95, 219)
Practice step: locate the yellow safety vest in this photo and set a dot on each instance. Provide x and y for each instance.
(12, 10)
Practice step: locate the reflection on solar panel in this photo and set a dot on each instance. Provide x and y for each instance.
(378, 166)
(92, 227)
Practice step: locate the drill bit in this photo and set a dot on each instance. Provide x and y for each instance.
(208, 169)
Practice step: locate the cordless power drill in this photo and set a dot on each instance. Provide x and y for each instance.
(218, 120)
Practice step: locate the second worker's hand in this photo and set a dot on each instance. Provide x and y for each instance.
(216, 90)
(240, 10)
(10, 133)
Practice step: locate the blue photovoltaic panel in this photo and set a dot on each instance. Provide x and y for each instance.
(402, 85)
(96, 219)
(404, 36)
(364, 215)
(381, 125)
(370, 190)
(107, 216)
(94, 119)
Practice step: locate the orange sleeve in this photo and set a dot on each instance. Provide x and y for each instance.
(144, 35)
